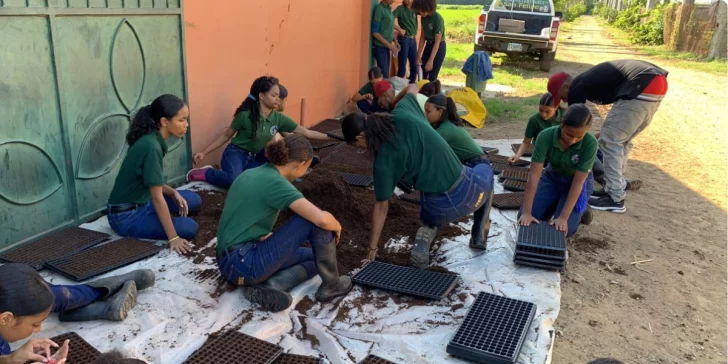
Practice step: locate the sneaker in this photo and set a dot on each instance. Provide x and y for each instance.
(633, 185)
(598, 194)
(588, 216)
(605, 203)
(198, 174)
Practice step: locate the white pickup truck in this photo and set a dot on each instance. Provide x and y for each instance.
(520, 26)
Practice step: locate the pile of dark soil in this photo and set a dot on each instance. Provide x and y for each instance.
(207, 218)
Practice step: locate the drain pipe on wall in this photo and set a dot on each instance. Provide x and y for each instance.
(303, 112)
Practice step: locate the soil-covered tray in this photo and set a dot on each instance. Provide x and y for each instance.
(490, 150)
(235, 348)
(345, 158)
(327, 125)
(297, 359)
(54, 246)
(508, 201)
(516, 174)
(79, 350)
(513, 185)
(498, 168)
(497, 158)
(336, 134)
(373, 359)
(527, 153)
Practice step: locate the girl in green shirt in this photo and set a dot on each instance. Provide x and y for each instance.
(548, 115)
(432, 46)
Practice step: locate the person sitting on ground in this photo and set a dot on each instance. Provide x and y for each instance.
(141, 204)
(406, 149)
(255, 124)
(442, 114)
(431, 88)
(283, 96)
(364, 98)
(547, 116)
(26, 300)
(269, 263)
(562, 190)
(387, 100)
(115, 357)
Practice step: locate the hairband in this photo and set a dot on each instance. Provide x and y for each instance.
(250, 96)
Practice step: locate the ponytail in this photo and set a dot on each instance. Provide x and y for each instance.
(431, 88)
(251, 103)
(149, 117)
(292, 148)
(446, 104)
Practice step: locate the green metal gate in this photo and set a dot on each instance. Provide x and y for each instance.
(72, 72)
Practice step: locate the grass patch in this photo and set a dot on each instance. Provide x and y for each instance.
(460, 22)
(511, 109)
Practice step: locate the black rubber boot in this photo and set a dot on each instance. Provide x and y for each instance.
(143, 278)
(271, 294)
(115, 308)
(332, 284)
(588, 216)
(420, 256)
(481, 225)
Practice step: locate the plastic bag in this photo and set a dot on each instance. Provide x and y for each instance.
(470, 106)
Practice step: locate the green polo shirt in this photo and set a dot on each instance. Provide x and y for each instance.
(407, 19)
(141, 169)
(537, 124)
(433, 24)
(368, 88)
(579, 157)
(267, 128)
(252, 205)
(416, 155)
(460, 141)
(383, 23)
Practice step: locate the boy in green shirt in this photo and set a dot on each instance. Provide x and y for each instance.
(406, 25)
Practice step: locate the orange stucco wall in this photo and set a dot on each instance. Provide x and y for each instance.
(317, 49)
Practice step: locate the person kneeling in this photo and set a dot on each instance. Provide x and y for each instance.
(268, 264)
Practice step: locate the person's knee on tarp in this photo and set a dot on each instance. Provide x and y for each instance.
(255, 123)
(564, 186)
(141, 204)
(406, 149)
(270, 263)
(548, 115)
(432, 47)
(26, 300)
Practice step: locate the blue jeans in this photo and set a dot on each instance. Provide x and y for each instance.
(143, 223)
(234, 162)
(408, 52)
(471, 193)
(437, 62)
(551, 196)
(70, 297)
(369, 108)
(382, 55)
(253, 265)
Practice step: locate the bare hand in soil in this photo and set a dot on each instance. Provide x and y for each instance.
(181, 246)
(182, 204)
(561, 224)
(197, 158)
(527, 219)
(371, 256)
(38, 350)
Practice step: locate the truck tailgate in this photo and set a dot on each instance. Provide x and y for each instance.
(534, 23)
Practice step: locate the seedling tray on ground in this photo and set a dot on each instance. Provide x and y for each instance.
(552, 255)
(527, 153)
(490, 150)
(297, 359)
(80, 351)
(512, 185)
(498, 168)
(320, 144)
(407, 280)
(55, 246)
(504, 160)
(357, 179)
(508, 201)
(373, 359)
(92, 262)
(235, 348)
(535, 264)
(542, 235)
(346, 155)
(516, 174)
(493, 330)
(524, 258)
(412, 197)
(336, 134)
(327, 125)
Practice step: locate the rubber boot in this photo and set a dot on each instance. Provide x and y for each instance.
(481, 225)
(115, 308)
(143, 278)
(420, 256)
(333, 285)
(588, 216)
(271, 294)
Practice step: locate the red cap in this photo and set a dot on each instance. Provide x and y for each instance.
(381, 87)
(555, 82)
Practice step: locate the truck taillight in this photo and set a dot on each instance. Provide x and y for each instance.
(555, 28)
(481, 23)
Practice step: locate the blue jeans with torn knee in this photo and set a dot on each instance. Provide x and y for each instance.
(470, 193)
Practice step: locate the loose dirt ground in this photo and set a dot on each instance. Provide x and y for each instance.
(673, 308)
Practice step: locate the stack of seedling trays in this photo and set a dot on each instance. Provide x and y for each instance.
(527, 153)
(55, 246)
(79, 352)
(234, 347)
(407, 280)
(373, 359)
(493, 330)
(541, 246)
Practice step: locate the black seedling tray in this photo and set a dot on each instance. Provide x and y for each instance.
(527, 153)
(327, 125)
(528, 263)
(373, 359)
(515, 173)
(493, 330)
(54, 246)
(336, 134)
(407, 280)
(542, 235)
(346, 155)
(235, 348)
(92, 262)
(512, 185)
(297, 359)
(497, 158)
(80, 351)
(357, 179)
(412, 197)
(324, 145)
(540, 253)
(508, 201)
(499, 167)
(490, 150)
(523, 258)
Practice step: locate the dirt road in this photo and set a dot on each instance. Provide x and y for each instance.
(671, 309)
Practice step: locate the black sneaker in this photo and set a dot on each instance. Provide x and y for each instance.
(588, 216)
(605, 203)
(598, 194)
(633, 185)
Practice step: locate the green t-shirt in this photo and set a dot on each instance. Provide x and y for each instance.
(267, 128)
(383, 23)
(141, 169)
(407, 19)
(460, 141)
(537, 124)
(432, 25)
(579, 157)
(368, 88)
(416, 155)
(252, 205)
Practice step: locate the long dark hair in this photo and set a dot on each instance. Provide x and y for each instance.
(22, 290)
(378, 129)
(547, 100)
(251, 103)
(431, 88)
(577, 116)
(451, 110)
(293, 148)
(424, 6)
(149, 117)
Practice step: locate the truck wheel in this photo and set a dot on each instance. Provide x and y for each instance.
(547, 58)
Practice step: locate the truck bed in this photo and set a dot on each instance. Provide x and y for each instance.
(534, 22)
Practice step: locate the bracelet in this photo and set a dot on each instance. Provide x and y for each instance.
(173, 239)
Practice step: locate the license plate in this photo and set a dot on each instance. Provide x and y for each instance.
(515, 47)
